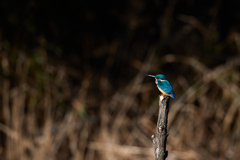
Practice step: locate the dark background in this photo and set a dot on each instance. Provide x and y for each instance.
(73, 82)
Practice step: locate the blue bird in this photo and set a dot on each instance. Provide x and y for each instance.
(163, 85)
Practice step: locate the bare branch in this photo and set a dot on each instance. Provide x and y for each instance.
(161, 131)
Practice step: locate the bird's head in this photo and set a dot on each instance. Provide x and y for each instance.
(161, 77)
(158, 77)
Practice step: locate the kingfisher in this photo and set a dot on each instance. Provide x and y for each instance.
(163, 85)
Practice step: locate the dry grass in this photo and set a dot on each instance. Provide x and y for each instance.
(39, 123)
(47, 116)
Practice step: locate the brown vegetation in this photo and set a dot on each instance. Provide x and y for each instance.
(96, 102)
(43, 119)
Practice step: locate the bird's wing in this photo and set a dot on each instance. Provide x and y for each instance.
(166, 87)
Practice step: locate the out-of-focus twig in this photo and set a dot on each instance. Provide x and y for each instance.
(120, 149)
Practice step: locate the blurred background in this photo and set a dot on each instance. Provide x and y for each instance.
(73, 84)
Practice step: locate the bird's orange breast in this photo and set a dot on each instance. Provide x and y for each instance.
(164, 93)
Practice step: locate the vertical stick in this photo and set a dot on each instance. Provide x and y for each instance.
(161, 131)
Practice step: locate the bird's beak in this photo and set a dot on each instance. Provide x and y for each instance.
(150, 76)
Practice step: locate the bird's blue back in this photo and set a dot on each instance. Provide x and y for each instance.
(165, 86)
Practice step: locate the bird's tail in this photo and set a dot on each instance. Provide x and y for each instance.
(172, 95)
